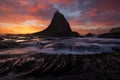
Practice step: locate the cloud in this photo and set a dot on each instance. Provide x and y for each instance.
(104, 10)
(85, 13)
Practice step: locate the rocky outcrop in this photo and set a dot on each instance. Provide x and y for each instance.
(89, 35)
(1, 39)
(110, 35)
(59, 27)
(115, 30)
(114, 33)
(60, 67)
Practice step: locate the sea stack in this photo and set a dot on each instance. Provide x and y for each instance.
(114, 33)
(59, 27)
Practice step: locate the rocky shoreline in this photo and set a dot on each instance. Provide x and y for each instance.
(42, 66)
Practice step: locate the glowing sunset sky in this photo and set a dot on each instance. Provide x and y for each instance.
(29, 16)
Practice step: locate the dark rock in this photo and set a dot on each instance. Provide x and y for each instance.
(89, 35)
(110, 35)
(59, 27)
(114, 30)
(104, 66)
(114, 33)
(1, 39)
(75, 34)
(8, 44)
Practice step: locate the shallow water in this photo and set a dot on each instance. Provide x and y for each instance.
(61, 46)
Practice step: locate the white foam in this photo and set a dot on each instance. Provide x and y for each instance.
(70, 46)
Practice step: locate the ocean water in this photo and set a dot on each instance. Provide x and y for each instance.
(60, 45)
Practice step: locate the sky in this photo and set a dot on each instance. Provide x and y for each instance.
(84, 16)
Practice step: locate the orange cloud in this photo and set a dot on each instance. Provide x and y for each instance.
(91, 13)
(19, 15)
(32, 9)
(27, 26)
(20, 30)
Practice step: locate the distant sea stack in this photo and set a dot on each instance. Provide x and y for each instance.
(114, 33)
(59, 27)
(89, 35)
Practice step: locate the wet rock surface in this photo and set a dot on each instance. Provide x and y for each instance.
(1, 39)
(60, 67)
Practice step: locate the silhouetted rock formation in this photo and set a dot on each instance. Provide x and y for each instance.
(110, 35)
(89, 35)
(59, 27)
(114, 30)
(114, 33)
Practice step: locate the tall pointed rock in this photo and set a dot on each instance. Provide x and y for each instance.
(59, 27)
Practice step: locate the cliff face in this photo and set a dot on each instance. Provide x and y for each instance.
(59, 27)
